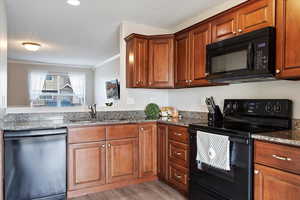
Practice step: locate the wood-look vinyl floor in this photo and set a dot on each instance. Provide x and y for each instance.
(146, 191)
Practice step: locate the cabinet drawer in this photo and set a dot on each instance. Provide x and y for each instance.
(278, 156)
(179, 134)
(122, 131)
(178, 177)
(86, 134)
(178, 153)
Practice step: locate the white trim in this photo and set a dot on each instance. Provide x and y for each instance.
(51, 64)
(108, 60)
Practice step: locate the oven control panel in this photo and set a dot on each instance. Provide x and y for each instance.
(259, 107)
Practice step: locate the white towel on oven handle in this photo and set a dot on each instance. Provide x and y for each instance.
(213, 150)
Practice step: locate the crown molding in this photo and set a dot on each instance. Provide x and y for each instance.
(48, 64)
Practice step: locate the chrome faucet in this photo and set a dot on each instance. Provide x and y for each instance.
(93, 112)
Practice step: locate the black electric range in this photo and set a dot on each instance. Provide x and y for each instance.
(242, 117)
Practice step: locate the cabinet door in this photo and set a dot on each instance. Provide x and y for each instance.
(199, 38)
(141, 63)
(148, 150)
(162, 152)
(130, 64)
(182, 60)
(86, 165)
(257, 15)
(122, 160)
(161, 68)
(272, 184)
(224, 27)
(287, 37)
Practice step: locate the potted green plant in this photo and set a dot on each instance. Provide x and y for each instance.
(152, 111)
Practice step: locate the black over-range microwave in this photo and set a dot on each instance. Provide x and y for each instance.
(246, 58)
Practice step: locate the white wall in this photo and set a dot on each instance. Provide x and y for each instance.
(3, 55)
(106, 72)
(17, 95)
(138, 98)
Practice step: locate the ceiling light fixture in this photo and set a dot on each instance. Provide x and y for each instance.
(73, 2)
(31, 46)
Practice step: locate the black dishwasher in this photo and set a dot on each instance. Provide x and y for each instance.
(35, 164)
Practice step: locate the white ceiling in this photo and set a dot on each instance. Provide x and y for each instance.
(88, 34)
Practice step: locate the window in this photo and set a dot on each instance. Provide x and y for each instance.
(56, 89)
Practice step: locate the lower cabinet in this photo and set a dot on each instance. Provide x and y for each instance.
(107, 157)
(86, 165)
(148, 150)
(162, 152)
(277, 171)
(173, 156)
(122, 160)
(273, 184)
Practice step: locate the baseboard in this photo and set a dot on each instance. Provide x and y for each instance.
(85, 191)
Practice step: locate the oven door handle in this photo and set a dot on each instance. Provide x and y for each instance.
(250, 56)
(239, 140)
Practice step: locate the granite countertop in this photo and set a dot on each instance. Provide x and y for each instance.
(289, 137)
(50, 124)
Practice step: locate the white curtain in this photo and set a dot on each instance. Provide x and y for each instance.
(36, 83)
(78, 85)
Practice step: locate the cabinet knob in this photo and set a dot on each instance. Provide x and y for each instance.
(178, 153)
(190, 81)
(109, 145)
(206, 74)
(186, 81)
(256, 171)
(240, 30)
(150, 83)
(142, 129)
(177, 176)
(278, 71)
(234, 33)
(103, 145)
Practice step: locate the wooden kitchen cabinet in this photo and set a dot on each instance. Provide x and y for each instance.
(273, 184)
(136, 61)
(122, 160)
(277, 171)
(148, 150)
(86, 165)
(224, 26)
(257, 15)
(199, 38)
(182, 59)
(161, 61)
(162, 152)
(287, 39)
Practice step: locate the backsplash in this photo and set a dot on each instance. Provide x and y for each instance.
(101, 115)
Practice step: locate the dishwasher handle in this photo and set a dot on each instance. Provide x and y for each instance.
(35, 133)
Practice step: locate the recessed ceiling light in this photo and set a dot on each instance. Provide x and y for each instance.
(74, 2)
(31, 46)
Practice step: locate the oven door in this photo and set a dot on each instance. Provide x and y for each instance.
(236, 59)
(210, 183)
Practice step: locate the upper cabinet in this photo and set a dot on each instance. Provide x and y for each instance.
(168, 61)
(224, 27)
(149, 61)
(256, 15)
(199, 38)
(288, 46)
(136, 61)
(182, 47)
(253, 16)
(161, 58)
